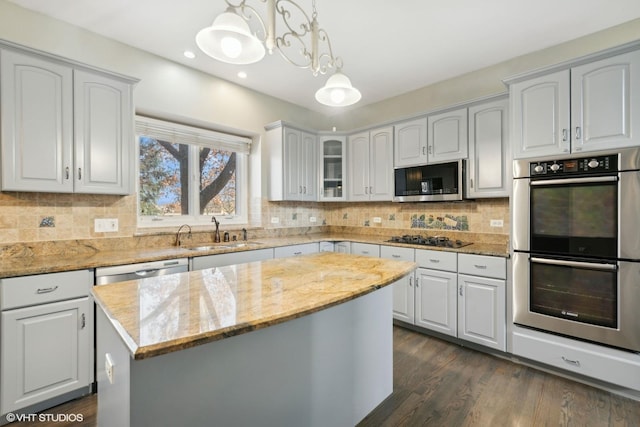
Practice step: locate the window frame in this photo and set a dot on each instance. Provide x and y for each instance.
(195, 137)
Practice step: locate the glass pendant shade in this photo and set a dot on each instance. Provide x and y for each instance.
(229, 40)
(338, 92)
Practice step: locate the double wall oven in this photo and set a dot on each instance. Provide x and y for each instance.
(576, 244)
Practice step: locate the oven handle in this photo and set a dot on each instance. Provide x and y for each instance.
(575, 180)
(577, 264)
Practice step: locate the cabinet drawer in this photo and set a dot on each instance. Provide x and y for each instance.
(295, 250)
(482, 265)
(437, 260)
(366, 249)
(394, 252)
(606, 364)
(39, 289)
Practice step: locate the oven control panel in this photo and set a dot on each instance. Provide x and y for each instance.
(584, 165)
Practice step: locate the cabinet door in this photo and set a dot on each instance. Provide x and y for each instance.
(489, 154)
(447, 136)
(605, 103)
(332, 168)
(410, 143)
(359, 167)
(381, 164)
(404, 299)
(342, 247)
(291, 152)
(436, 301)
(540, 116)
(103, 121)
(36, 108)
(307, 167)
(482, 311)
(45, 351)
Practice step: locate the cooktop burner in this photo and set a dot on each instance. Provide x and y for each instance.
(429, 241)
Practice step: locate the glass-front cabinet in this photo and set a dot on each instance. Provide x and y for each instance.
(332, 168)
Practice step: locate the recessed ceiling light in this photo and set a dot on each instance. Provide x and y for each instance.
(189, 54)
(242, 74)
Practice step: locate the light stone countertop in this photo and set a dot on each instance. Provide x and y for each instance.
(159, 315)
(75, 260)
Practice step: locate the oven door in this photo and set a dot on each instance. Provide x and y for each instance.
(594, 301)
(581, 217)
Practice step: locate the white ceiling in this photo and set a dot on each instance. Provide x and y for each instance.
(388, 47)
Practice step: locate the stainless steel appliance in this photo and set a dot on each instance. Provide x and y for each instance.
(439, 241)
(576, 242)
(120, 273)
(430, 183)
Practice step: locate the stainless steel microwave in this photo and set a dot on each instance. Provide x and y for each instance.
(430, 183)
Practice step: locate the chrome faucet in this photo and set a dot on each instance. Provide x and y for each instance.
(178, 241)
(216, 235)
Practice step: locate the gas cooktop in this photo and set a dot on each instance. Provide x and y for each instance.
(439, 241)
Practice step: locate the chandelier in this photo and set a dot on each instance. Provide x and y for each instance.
(302, 43)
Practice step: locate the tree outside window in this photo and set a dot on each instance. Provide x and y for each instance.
(165, 185)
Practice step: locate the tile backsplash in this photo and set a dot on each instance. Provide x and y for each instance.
(41, 217)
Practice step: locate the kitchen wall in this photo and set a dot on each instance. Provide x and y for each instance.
(170, 90)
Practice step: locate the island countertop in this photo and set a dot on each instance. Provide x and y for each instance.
(164, 314)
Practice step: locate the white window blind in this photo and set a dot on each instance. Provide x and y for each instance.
(183, 134)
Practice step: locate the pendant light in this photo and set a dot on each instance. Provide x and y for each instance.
(229, 39)
(338, 91)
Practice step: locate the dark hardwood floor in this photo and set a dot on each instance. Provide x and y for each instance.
(437, 383)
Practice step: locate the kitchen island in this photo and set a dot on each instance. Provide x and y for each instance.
(295, 341)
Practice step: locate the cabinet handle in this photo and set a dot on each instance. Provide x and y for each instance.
(417, 282)
(79, 174)
(578, 132)
(435, 261)
(431, 149)
(297, 253)
(395, 255)
(565, 134)
(305, 189)
(366, 190)
(411, 281)
(575, 363)
(83, 321)
(300, 190)
(480, 267)
(46, 290)
(460, 290)
(365, 252)
(471, 182)
(370, 190)
(66, 172)
(424, 150)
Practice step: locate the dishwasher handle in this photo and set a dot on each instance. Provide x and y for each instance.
(147, 273)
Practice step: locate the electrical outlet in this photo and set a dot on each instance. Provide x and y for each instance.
(108, 367)
(275, 220)
(377, 220)
(496, 223)
(105, 225)
(312, 219)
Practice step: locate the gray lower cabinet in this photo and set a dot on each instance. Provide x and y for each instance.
(365, 249)
(47, 339)
(219, 260)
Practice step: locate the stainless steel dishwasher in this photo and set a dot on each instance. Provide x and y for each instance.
(120, 273)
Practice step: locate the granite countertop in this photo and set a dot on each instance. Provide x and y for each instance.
(164, 314)
(22, 266)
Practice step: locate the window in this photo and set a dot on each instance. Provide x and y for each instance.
(188, 174)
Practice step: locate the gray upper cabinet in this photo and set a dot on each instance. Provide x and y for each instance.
(488, 172)
(410, 143)
(593, 106)
(540, 116)
(370, 157)
(605, 103)
(447, 136)
(292, 158)
(64, 129)
(332, 168)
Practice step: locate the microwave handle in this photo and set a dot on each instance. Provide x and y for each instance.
(575, 180)
(576, 264)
